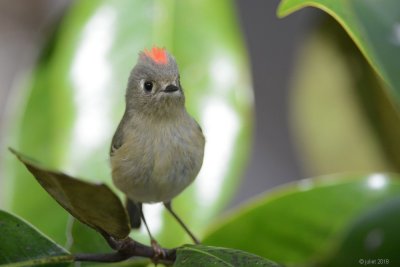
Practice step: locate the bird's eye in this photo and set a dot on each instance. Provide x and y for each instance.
(148, 86)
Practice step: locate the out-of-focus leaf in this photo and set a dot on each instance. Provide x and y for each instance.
(23, 245)
(342, 118)
(197, 255)
(301, 221)
(93, 204)
(373, 25)
(77, 99)
(84, 239)
(372, 240)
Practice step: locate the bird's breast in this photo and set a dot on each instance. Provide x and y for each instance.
(157, 162)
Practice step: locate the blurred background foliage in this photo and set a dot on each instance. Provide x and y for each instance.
(342, 109)
(339, 103)
(75, 99)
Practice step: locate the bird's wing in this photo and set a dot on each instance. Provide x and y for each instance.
(118, 138)
(198, 126)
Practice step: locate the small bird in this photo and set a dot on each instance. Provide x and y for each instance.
(157, 149)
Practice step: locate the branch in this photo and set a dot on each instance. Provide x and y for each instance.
(127, 248)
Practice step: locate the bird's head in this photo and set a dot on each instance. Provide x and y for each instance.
(154, 84)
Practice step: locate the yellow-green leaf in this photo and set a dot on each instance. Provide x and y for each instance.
(373, 25)
(341, 117)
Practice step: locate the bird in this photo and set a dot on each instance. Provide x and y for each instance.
(158, 148)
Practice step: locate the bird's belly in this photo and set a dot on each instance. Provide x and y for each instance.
(160, 171)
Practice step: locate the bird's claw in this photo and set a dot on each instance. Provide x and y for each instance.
(159, 253)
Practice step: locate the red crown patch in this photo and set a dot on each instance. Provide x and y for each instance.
(157, 54)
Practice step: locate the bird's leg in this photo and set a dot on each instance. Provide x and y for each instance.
(168, 206)
(158, 251)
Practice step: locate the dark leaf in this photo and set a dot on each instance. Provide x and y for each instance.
(93, 204)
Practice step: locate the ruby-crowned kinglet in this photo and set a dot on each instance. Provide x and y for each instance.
(157, 149)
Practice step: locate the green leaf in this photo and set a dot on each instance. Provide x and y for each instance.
(76, 99)
(301, 221)
(197, 255)
(371, 240)
(93, 204)
(22, 245)
(373, 26)
(84, 239)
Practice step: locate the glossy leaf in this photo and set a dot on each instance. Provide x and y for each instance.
(93, 204)
(374, 27)
(301, 221)
(372, 240)
(23, 245)
(191, 255)
(77, 99)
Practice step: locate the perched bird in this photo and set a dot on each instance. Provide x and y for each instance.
(157, 149)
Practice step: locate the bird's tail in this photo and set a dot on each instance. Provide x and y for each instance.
(134, 210)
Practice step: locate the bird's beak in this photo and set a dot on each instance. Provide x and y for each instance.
(171, 88)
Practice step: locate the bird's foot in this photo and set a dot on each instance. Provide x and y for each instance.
(159, 252)
(195, 240)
